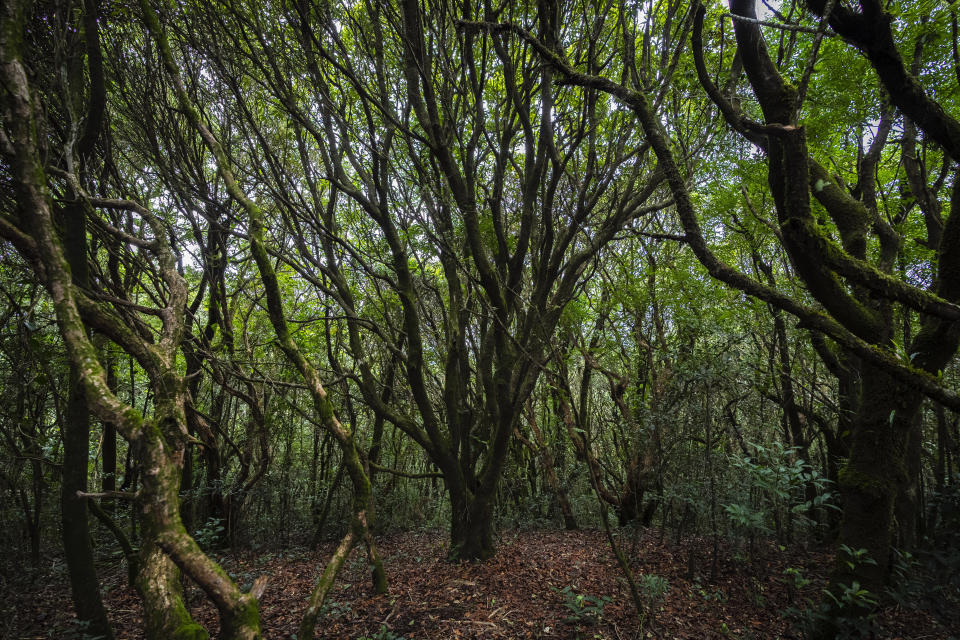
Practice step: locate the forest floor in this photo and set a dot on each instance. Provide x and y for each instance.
(516, 594)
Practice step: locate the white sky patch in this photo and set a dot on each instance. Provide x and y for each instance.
(764, 12)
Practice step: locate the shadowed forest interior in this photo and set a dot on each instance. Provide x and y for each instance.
(428, 319)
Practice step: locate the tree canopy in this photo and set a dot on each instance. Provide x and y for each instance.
(285, 270)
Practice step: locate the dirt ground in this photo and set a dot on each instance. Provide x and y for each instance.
(519, 593)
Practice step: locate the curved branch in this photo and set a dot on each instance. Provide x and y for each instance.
(809, 318)
(871, 33)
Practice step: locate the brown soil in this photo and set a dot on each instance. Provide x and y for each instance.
(516, 594)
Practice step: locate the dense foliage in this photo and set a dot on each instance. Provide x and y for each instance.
(288, 271)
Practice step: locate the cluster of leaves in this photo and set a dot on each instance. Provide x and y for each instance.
(584, 608)
(774, 490)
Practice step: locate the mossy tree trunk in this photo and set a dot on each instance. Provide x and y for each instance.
(159, 439)
(78, 548)
(179, 545)
(881, 432)
(164, 445)
(108, 453)
(471, 525)
(159, 585)
(856, 296)
(870, 480)
(77, 545)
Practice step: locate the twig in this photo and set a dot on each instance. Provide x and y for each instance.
(404, 474)
(117, 495)
(259, 586)
(814, 52)
(777, 25)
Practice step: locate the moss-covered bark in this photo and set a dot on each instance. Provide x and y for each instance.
(319, 595)
(471, 528)
(163, 451)
(160, 440)
(872, 476)
(165, 613)
(177, 543)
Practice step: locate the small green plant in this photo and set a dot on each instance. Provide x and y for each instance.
(584, 608)
(794, 578)
(775, 492)
(855, 557)
(757, 593)
(795, 581)
(652, 587)
(827, 620)
(912, 587)
(743, 517)
(384, 633)
(845, 611)
(851, 596)
(716, 595)
(334, 609)
(210, 535)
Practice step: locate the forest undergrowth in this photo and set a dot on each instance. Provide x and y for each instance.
(540, 584)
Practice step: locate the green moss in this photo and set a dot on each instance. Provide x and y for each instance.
(250, 616)
(247, 618)
(191, 631)
(326, 410)
(877, 485)
(379, 579)
(789, 92)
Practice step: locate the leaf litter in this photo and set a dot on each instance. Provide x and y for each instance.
(519, 593)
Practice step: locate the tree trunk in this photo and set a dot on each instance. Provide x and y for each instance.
(108, 452)
(32, 515)
(77, 546)
(325, 583)
(165, 613)
(871, 479)
(359, 532)
(162, 462)
(939, 470)
(471, 527)
(908, 497)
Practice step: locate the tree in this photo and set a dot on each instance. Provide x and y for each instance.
(160, 438)
(856, 297)
(307, 258)
(430, 217)
(833, 265)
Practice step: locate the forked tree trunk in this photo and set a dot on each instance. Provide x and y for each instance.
(471, 527)
(163, 453)
(165, 613)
